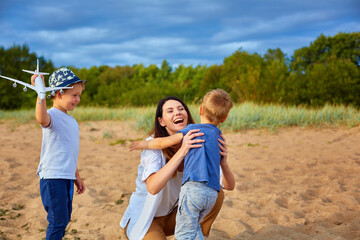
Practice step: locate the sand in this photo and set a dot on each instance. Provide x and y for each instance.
(290, 184)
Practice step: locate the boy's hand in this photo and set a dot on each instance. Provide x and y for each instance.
(33, 78)
(138, 145)
(223, 149)
(80, 186)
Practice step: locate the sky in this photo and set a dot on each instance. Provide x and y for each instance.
(86, 33)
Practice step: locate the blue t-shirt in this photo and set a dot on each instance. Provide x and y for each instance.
(203, 164)
(60, 147)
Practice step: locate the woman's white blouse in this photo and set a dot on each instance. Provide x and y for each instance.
(143, 206)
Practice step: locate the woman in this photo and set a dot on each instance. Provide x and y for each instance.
(152, 208)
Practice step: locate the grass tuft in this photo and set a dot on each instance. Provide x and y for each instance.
(241, 117)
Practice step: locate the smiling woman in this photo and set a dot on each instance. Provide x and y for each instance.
(153, 206)
(173, 116)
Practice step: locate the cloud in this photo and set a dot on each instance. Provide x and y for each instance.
(346, 27)
(245, 27)
(85, 58)
(143, 50)
(127, 32)
(229, 48)
(73, 36)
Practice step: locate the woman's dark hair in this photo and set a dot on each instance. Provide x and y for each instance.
(160, 131)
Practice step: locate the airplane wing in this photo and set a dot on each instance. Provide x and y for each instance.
(37, 73)
(47, 89)
(20, 82)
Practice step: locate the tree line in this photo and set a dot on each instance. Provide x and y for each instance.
(325, 72)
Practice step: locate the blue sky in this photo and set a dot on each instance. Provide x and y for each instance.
(127, 32)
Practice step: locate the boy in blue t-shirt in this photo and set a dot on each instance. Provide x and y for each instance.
(201, 179)
(59, 151)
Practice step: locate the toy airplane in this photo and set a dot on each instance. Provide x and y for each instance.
(39, 85)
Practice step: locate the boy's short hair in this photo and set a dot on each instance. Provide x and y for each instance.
(216, 105)
(64, 77)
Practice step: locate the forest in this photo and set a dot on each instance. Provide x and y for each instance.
(325, 72)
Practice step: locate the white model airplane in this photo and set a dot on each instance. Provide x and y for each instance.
(39, 85)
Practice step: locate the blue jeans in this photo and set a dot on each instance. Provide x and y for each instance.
(195, 201)
(56, 195)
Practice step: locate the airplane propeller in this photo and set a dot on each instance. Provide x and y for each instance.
(25, 89)
(14, 85)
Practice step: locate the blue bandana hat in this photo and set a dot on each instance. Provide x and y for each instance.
(63, 77)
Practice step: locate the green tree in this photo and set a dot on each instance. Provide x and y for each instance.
(336, 82)
(210, 80)
(195, 83)
(316, 77)
(241, 74)
(186, 81)
(273, 86)
(342, 45)
(113, 83)
(145, 75)
(164, 73)
(91, 75)
(12, 61)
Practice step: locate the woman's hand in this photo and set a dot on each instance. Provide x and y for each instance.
(189, 142)
(156, 181)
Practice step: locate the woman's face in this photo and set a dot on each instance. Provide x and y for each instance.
(174, 117)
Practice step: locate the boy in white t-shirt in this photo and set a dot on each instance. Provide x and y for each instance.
(59, 151)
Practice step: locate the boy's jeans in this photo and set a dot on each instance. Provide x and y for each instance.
(56, 195)
(195, 201)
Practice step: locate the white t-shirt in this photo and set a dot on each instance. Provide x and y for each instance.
(143, 206)
(60, 147)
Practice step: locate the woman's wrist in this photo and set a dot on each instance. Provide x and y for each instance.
(181, 153)
(184, 150)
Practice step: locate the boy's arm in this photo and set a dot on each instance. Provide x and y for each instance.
(165, 142)
(228, 177)
(80, 186)
(40, 109)
(157, 143)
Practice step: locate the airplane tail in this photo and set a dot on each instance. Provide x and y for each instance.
(37, 69)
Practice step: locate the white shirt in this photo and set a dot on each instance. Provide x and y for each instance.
(60, 147)
(143, 206)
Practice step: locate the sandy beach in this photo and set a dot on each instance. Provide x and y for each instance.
(292, 183)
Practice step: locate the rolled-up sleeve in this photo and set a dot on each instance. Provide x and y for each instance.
(152, 162)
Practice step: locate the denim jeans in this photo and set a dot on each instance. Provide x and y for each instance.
(195, 201)
(56, 195)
